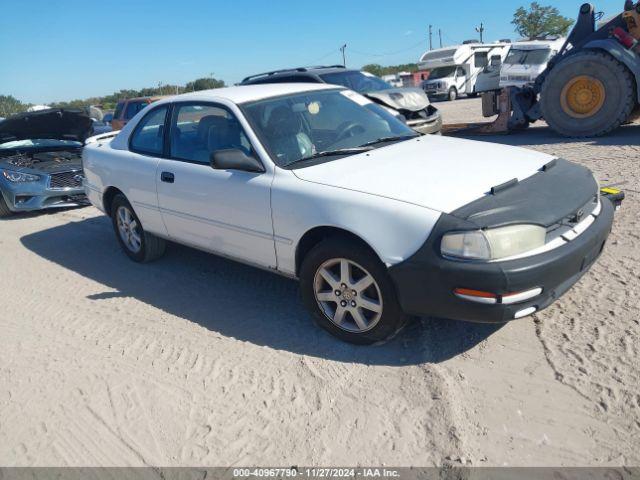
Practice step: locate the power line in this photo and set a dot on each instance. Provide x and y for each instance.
(344, 58)
(328, 54)
(430, 37)
(368, 54)
(480, 30)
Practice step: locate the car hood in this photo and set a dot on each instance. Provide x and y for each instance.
(438, 173)
(412, 99)
(56, 123)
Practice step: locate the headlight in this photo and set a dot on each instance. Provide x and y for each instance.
(19, 177)
(493, 244)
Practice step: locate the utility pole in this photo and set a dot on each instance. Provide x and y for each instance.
(480, 30)
(344, 58)
(430, 37)
(440, 35)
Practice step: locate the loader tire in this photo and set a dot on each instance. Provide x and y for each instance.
(588, 94)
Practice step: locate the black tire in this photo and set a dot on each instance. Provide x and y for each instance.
(473, 95)
(452, 96)
(151, 247)
(619, 90)
(392, 318)
(4, 209)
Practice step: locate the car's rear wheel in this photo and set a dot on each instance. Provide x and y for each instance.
(453, 94)
(4, 209)
(139, 245)
(349, 292)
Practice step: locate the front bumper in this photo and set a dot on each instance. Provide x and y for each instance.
(428, 126)
(436, 91)
(31, 196)
(425, 282)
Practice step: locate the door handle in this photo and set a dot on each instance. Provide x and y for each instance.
(167, 177)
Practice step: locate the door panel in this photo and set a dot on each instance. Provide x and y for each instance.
(218, 210)
(139, 169)
(222, 211)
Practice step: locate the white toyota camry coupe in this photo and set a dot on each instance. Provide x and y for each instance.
(377, 222)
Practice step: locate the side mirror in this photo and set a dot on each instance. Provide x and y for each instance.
(235, 159)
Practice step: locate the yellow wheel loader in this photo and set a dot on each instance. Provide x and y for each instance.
(590, 88)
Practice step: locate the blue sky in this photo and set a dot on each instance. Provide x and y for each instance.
(64, 49)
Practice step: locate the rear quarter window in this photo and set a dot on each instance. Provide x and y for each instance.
(148, 137)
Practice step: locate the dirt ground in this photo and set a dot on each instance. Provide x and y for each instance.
(196, 360)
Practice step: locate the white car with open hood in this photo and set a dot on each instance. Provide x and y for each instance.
(378, 222)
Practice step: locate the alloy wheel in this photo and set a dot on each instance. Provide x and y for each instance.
(348, 295)
(128, 229)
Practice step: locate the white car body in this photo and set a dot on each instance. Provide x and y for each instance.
(530, 224)
(517, 73)
(477, 68)
(261, 221)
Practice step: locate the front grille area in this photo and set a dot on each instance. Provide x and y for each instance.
(569, 222)
(64, 180)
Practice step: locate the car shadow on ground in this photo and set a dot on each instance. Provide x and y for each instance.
(235, 300)
(628, 135)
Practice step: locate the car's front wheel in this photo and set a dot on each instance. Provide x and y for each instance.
(139, 245)
(349, 292)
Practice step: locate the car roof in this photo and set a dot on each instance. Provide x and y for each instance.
(299, 71)
(248, 93)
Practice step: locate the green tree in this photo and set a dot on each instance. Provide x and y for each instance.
(379, 70)
(10, 105)
(540, 21)
(204, 83)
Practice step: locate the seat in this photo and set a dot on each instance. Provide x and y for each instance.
(289, 143)
(222, 133)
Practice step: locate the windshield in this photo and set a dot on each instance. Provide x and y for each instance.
(301, 128)
(528, 57)
(361, 82)
(39, 143)
(442, 72)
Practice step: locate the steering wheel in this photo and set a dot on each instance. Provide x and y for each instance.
(348, 129)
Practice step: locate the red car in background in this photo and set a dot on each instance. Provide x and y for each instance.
(126, 109)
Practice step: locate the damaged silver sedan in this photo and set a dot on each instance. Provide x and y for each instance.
(40, 160)
(410, 105)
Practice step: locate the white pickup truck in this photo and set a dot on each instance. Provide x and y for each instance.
(378, 222)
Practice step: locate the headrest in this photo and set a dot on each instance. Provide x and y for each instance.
(284, 122)
(224, 133)
(205, 124)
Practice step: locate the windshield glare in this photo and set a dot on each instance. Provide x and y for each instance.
(39, 143)
(528, 57)
(299, 126)
(441, 72)
(361, 82)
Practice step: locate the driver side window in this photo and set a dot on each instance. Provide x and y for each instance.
(198, 130)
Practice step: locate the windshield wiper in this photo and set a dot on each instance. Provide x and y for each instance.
(389, 139)
(330, 153)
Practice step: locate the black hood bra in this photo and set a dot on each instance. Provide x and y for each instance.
(53, 123)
